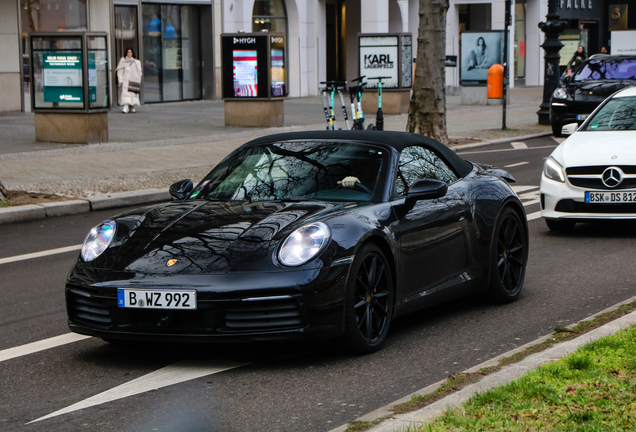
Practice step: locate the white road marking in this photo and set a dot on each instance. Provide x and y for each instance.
(40, 254)
(533, 216)
(516, 164)
(559, 139)
(40, 345)
(175, 373)
(518, 145)
(505, 150)
(522, 188)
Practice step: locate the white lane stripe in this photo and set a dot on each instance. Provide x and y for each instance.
(41, 345)
(533, 216)
(522, 188)
(175, 373)
(40, 254)
(518, 145)
(527, 203)
(516, 164)
(504, 150)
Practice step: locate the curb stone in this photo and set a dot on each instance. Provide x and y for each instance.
(504, 376)
(148, 196)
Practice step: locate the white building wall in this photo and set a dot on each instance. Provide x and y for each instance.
(536, 11)
(10, 57)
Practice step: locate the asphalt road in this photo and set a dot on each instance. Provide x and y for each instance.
(281, 387)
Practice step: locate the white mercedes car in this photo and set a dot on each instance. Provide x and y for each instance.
(592, 174)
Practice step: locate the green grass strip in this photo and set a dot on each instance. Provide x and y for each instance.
(592, 389)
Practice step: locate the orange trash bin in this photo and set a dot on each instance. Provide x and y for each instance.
(495, 82)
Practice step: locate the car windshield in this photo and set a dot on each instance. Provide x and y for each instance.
(603, 69)
(295, 171)
(617, 114)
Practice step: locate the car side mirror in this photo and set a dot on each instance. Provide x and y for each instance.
(181, 189)
(426, 189)
(569, 129)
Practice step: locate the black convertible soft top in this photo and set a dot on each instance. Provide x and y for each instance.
(397, 140)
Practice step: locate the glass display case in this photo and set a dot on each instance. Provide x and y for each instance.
(69, 72)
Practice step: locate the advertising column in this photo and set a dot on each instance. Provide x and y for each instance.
(254, 79)
(389, 56)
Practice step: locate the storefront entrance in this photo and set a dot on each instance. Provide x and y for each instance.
(126, 34)
(172, 52)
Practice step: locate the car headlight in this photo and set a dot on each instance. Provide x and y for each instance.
(560, 93)
(303, 244)
(553, 170)
(97, 240)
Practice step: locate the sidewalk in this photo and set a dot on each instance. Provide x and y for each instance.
(163, 143)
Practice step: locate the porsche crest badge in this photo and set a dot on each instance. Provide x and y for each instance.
(171, 262)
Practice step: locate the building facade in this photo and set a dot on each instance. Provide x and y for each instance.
(178, 41)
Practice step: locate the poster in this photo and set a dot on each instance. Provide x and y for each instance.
(62, 77)
(479, 51)
(278, 72)
(379, 57)
(245, 73)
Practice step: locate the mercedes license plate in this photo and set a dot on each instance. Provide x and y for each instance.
(582, 116)
(610, 197)
(157, 299)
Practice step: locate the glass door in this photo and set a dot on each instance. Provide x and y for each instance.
(172, 52)
(126, 34)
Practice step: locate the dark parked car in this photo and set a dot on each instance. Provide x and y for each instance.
(327, 234)
(596, 78)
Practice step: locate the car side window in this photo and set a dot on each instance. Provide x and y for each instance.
(418, 163)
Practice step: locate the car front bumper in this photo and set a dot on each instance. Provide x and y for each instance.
(234, 307)
(564, 201)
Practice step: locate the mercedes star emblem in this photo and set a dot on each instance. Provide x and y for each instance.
(612, 177)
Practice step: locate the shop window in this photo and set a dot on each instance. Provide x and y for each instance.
(269, 15)
(47, 15)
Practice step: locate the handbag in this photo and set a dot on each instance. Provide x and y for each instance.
(134, 87)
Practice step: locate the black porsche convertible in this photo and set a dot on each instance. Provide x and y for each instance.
(327, 234)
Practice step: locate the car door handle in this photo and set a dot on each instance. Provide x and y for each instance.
(460, 215)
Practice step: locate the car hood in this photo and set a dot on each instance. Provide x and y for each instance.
(596, 91)
(207, 237)
(597, 148)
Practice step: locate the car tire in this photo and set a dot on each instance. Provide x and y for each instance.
(369, 301)
(509, 256)
(560, 224)
(556, 130)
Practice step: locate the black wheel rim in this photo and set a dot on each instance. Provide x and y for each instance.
(372, 288)
(510, 254)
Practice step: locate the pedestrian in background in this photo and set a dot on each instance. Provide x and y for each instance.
(604, 50)
(129, 77)
(577, 58)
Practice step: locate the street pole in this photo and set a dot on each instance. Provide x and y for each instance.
(507, 21)
(552, 27)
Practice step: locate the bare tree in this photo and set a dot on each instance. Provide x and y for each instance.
(427, 113)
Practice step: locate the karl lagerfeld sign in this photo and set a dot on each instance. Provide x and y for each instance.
(379, 57)
(578, 9)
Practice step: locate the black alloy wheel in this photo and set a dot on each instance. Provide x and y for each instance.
(509, 257)
(369, 301)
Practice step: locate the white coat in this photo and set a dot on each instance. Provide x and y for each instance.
(128, 69)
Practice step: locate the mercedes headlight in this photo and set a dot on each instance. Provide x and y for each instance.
(303, 244)
(97, 240)
(560, 93)
(553, 170)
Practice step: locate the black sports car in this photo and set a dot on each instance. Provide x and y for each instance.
(328, 234)
(590, 84)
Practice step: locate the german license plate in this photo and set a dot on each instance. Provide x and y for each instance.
(610, 197)
(582, 116)
(157, 299)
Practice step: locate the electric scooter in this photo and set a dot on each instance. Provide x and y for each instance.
(356, 112)
(327, 95)
(379, 117)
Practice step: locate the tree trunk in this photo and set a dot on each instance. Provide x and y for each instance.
(427, 112)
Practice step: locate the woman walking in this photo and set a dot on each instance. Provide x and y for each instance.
(129, 77)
